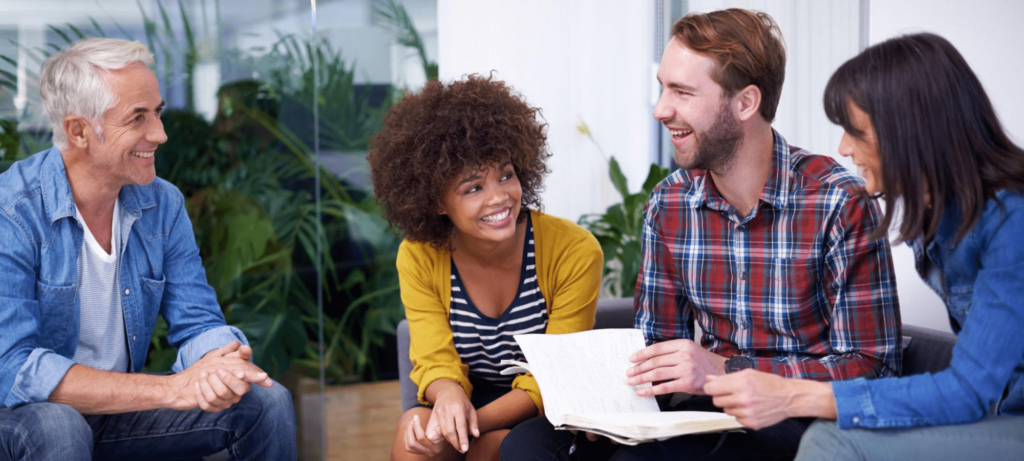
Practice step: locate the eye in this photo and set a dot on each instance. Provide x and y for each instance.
(139, 118)
(507, 176)
(472, 189)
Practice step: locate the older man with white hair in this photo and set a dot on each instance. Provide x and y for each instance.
(95, 246)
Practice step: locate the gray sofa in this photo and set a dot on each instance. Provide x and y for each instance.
(928, 350)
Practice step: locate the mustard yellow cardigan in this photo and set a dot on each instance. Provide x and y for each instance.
(569, 264)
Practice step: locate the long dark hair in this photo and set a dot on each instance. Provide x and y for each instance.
(938, 135)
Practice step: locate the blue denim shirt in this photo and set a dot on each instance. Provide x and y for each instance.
(981, 280)
(161, 273)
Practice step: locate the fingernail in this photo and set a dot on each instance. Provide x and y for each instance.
(632, 358)
(631, 381)
(261, 375)
(240, 375)
(465, 448)
(202, 375)
(431, 435)
(222, 373)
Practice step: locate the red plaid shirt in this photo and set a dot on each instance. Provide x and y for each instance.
(796, 285)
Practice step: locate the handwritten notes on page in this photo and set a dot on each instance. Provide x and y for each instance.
(585, 372)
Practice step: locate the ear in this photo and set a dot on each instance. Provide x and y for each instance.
(76, 129)
(748, 102)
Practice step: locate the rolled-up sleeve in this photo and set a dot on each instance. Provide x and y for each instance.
(28, 371)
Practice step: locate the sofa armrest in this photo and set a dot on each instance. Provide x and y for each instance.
(405, 383)
(929, 351)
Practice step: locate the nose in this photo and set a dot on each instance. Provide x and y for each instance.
(499, 197)
(846, 145)
(157, 134)
(662, 110)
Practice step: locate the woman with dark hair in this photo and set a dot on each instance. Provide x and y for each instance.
(458, 168)
(921, 128)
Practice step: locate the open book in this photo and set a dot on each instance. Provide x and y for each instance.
(582, 379)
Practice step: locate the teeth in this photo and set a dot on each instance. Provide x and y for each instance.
(680, 132)
(497, 217)
(144, 154)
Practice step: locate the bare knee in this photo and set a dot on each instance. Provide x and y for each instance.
(487, 447)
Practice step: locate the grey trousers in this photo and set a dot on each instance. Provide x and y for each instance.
(993, 438)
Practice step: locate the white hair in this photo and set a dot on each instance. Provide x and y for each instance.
(71, 81)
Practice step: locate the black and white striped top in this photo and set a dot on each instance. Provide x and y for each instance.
(483, 342)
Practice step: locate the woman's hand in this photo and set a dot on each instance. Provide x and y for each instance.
(453, 418)
(758, 399)
(416, 440)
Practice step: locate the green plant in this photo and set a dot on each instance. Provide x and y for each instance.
(391, 15)
(619, 228)
(251, 180)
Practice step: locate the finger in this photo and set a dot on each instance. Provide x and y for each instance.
(413, 436)
(724, 384)
(592, 436)
(474, 423)
(660, 389)
(655, 350)
(434, 428)
(225, 394)
(225, 349)
(653, 376)
(201, 400)
(211, 396)
(651, 364)
(448, 428)
(462, 428)
(238, 386)
(253, 375)
(245, 352)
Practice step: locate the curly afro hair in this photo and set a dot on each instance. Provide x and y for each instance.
(432, 138)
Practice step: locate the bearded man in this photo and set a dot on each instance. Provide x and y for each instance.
(770, 249)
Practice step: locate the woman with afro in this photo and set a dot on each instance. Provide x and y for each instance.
(458, 168)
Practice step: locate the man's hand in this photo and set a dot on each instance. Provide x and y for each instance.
(758, 399)
(679, 366)
(216, 381)
(245, 353)
(453, 418)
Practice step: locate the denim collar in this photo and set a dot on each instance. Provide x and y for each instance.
(58, 201)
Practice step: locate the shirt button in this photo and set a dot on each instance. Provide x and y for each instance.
(856, 420)
(127, 291)
(743, 227)
(135, 212)
(743, 275)
(133, 338)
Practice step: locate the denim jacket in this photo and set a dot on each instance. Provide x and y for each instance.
(981, 280)
(40, 239)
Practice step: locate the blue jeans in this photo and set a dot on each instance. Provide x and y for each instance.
(993, 438)
(260, 426)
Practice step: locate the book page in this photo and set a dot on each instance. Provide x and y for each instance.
(647, 426)
(585, 372)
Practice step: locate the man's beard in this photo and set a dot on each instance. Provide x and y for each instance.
(716, 147)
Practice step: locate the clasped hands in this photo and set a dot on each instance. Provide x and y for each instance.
(218, 380)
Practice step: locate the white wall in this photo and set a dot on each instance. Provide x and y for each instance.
(578, 60)
(988, 34)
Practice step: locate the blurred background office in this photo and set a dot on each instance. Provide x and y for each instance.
(271, 103)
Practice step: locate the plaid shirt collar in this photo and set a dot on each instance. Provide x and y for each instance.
(776, 188)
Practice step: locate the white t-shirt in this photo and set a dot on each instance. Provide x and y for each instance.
(102, 342)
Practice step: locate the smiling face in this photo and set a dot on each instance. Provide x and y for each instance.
(132, 129)
(705, 132)
(484, 204)
(863, 149)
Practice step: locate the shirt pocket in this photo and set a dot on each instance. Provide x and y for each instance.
(56, 309)
(791, 291)
(959, 301)
(152, 297)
